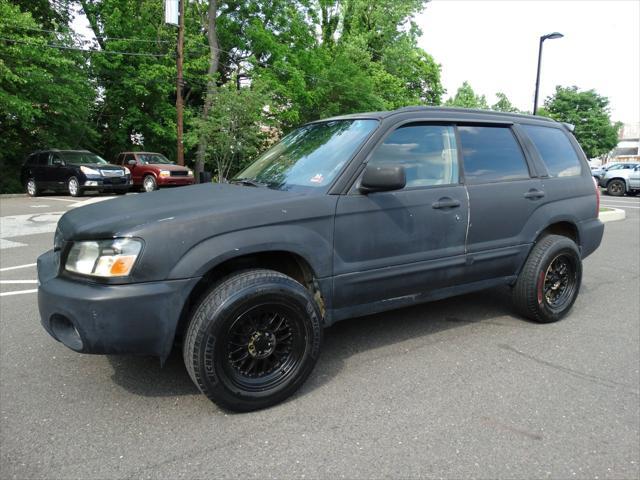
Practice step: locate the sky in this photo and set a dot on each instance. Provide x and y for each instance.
(493, 44)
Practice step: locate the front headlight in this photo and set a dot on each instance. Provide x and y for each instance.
(190, 173)
(104, 258)
(89, 171)
(126, 171)
(165, 173)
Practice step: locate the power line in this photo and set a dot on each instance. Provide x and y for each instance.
(84, 50)
(140, 40)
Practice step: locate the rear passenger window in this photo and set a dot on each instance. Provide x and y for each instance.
(43, 158)
(491, 154)
(427, 152)
(555, 149)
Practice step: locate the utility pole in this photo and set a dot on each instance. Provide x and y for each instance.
(550, 36)
(179, 102)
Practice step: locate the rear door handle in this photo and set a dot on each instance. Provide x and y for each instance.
(534, 194)
(446, 202)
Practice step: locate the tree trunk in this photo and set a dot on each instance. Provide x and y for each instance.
(214, 58)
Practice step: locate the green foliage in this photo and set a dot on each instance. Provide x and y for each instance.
(465, 97)
(286, 61)
(234, 129)
(46, 95)
(589, 112)
(504, 105)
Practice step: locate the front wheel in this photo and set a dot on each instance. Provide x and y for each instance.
(253, 340)
(74, 187)
(550, 280)
(32, 188)
(149, 184)
(616, 188)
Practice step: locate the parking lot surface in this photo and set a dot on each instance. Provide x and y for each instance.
(457, 388)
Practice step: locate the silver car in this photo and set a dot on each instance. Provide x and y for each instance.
(623, 179)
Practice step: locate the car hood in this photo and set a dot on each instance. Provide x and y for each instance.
(166, 166)
(137, 215)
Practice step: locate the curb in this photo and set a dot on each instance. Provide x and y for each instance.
(612, 215)
(13, 195)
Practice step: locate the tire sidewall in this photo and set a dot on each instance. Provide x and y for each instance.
(562, 247)
(212, 338)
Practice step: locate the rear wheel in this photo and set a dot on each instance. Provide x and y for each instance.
(149, 184)
(616, 188)
(253, 340)
(32, 188)
(73, 186)
(550, 280)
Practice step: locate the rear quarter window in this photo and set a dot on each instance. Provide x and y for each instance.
(491, 154)
(555, 149)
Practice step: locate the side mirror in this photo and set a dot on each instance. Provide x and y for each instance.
(131, 162)
(636, 168)
(382, 178)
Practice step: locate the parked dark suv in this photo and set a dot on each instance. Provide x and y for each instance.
(73, 172)
(344, 217)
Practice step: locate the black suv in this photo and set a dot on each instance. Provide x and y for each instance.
(344, 217)
(72, 171)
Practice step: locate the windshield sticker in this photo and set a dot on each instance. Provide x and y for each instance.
(317, 178)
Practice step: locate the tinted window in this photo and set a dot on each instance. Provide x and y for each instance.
(43, 158)
(153, 159)
(428, 154)
(555, 149)
(491, 154)
(31, 159)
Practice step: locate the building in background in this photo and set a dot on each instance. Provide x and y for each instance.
(628, 146)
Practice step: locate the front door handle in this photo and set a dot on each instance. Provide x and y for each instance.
(446, 202)
(534, 194)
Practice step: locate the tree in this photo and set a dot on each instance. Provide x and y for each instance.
(233, 131)
(590, 114)
(504, 105)
(465, 97)
(46, 95)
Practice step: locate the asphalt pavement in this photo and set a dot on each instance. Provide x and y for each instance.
(460, 388)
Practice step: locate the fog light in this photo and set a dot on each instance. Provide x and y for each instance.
(91, 183)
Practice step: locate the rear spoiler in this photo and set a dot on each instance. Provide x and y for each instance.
(569, 126)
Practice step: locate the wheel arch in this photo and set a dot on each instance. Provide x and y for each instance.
(622, 179)
(287, 262)
(565, 228)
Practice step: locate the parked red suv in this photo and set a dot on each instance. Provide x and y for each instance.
(153, 170)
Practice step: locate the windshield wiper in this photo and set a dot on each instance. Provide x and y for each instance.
(248, 182)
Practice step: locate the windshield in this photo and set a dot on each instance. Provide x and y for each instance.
(310, 157)
(81, 158)
(153, 158)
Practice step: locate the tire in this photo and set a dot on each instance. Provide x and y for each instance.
(149, 183)
(616, 188)
(542, 293)
(253, 340)
(32, 188)
(73, 187)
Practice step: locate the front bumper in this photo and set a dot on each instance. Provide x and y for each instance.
(138, 318)
(174, 181)
(106, 183)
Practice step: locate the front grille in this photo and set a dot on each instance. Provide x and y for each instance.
(179, 173)
(112, 173)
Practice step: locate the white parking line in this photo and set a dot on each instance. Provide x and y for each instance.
(6, 269)
(617, 205)
(11, 282)
(19, 292)
(63, 199)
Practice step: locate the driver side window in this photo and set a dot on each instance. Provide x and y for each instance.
(428, 154)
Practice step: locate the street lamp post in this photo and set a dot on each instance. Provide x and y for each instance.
(551, 36)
